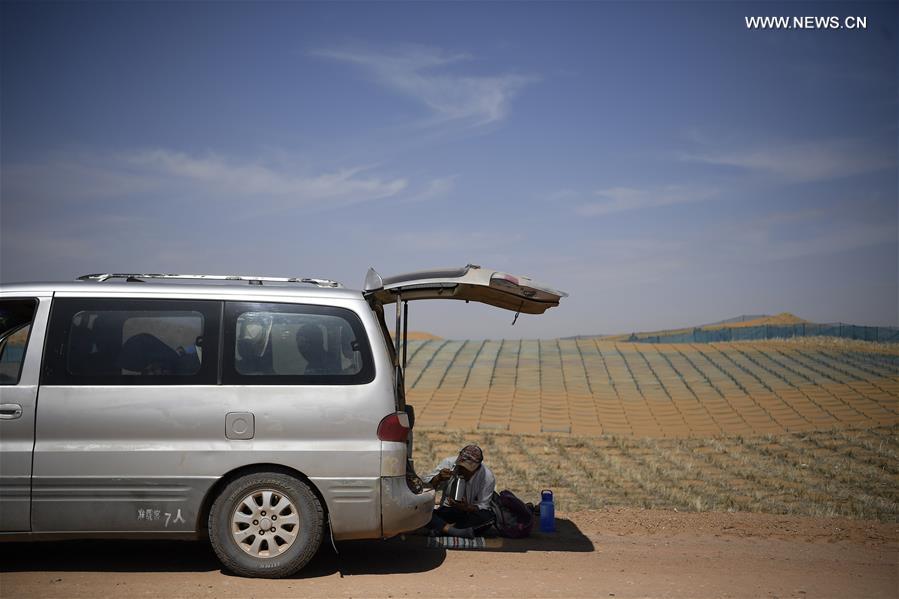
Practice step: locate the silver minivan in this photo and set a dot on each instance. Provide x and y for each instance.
(263, 412)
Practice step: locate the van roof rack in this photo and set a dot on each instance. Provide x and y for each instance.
(251, 279)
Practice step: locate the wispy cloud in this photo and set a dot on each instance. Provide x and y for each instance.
(758, 244)
(623, 199)
(167, 174)
(348, 185)
(426, 75)
(434, 189)
(800, 162)
(80, 211)
(77, 211)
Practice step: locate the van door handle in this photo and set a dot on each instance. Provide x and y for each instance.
(10, 411)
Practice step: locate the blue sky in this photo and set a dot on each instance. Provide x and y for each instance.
(658, 161)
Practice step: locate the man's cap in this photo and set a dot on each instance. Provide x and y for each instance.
(470, 457)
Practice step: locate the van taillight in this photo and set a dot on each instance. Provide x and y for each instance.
(394, 427)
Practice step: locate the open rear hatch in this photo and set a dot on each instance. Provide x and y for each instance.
(470, 283)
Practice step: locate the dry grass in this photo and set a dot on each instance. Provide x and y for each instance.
(839, 343)
(852, 473)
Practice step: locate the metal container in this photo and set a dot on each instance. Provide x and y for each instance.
(455, 489)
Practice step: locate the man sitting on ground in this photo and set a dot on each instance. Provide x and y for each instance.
(472, 514)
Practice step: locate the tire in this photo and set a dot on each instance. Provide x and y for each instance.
(270, 548)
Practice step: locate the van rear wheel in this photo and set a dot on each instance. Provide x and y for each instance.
(266, 525)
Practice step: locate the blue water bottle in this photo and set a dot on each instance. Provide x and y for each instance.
(547, 511)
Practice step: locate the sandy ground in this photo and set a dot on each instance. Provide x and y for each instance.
(600, 553)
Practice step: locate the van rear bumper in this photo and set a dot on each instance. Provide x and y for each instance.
(401, 509)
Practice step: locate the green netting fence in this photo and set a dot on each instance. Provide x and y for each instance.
(839, 329)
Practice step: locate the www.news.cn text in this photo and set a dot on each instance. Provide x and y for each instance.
(831, 22)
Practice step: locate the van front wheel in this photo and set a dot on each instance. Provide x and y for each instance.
(266, 525)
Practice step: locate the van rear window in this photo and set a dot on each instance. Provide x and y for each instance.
(295, 344)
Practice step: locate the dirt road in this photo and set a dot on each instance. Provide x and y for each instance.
(600, 553)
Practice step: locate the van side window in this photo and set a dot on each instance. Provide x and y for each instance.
(15, 325)
(295, 344)
(133, 342)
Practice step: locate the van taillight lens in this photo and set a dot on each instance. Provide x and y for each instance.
(394, 427)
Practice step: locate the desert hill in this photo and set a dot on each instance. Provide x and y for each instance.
(784, 318)
(422, 336)
(777, 319)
